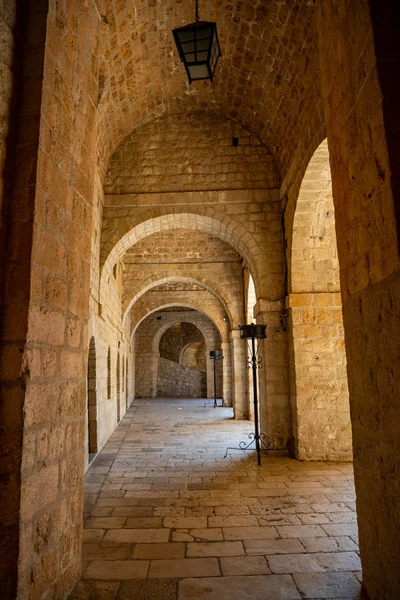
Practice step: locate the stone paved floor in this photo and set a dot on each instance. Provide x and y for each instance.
(168, 517)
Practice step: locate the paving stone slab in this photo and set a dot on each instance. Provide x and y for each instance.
(117, 569)
(105, 551)
(95, 590)
(148, 589)
(159, 551)
(262, 587)
(329, 544)
(201, 549)
(244, 565)
(147, 536)
(317, 563)
(186, 567)
(283, 546)
(328, 585)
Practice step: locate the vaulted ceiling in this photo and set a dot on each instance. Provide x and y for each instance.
(267, 77)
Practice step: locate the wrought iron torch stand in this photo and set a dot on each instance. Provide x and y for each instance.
(253, 332)
(214, 356)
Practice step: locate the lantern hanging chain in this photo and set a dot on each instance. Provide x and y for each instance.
(197, 10)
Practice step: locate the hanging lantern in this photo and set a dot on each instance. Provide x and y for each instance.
(247, 332)
(198, 48)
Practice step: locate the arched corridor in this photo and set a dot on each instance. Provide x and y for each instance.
(167, 516)
(144, 221)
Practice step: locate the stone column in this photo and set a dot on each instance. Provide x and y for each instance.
(226, 374)
(146, 374)
(275, 416)
(210, 375)
(239, 376)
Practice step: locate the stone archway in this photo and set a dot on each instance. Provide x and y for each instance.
(92, 400)
(221, 226)
(176, 379)
(319, 392)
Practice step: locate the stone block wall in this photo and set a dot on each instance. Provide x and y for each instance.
(107, 331)
(55, 357)
(152, 330)
(194, 356)
(177, 381)
(318, 378)
(7, 24)
(365, 196)
(177, 338)
(18, 158)
(190, 151)
(320, 401)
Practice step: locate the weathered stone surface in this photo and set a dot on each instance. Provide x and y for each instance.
(151, 589)
(94, 100)
(117, 569)
(267, 587)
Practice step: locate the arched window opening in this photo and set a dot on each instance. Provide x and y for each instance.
(92, 400)
(251, 300)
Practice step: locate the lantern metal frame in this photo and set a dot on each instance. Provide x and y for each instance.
(214, 356)
(201, 41)
(251, 333)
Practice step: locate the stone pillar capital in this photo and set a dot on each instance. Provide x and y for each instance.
(266, 306)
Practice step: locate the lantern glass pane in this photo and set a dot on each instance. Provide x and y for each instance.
(198, 71)
(188, 47)
(185, 35)
(190, 58)
(204, 33)
(203, 44)
(202, 56)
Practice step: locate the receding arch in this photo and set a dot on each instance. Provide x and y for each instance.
(166, 278)
(148, 334)
(191, 306)
(221, 226)
(319, 393)
(92, 399)
(175, 379)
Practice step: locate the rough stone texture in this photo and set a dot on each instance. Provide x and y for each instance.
(16, 145)
(8, 18)
(369, 272)
(56, 342)
(223, 520)
(274, 47)
(178, 381)
(319, 388)
(149, 334)
(187, 152)
(89, 74)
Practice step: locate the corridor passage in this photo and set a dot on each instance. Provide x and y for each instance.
(168, 517)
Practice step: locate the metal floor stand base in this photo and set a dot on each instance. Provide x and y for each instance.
(258, 443)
